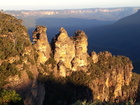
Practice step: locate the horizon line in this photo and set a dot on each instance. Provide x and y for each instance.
(68, 8)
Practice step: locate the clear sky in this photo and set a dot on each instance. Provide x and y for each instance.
(65, 4)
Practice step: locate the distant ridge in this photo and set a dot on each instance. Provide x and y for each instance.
(133, 19)
(105, 14)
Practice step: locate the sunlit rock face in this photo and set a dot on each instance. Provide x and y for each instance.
(94, 57)
(117, 75)
(41, 44)
(64, 50)
(80, 60)
(72, 51)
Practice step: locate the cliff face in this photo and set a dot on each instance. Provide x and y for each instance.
(17, 60)
(116, 72)
(108, 74)
(108, 77)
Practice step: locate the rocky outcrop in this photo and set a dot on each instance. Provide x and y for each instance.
(94, 57)
(70, 53)
(41, 44)
(109, 73)
(80, 60)
(64, 48)
(64, 51)
(115, 73)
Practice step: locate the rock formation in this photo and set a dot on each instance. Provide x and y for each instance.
(109, 77)
(80, 60)
(117, 74)
(41, 45)
(94, 57)
(64, 49)
(109, 73)
(72, 52)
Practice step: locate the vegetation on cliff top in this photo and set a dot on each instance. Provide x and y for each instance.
(10, 24)
(13, 37)
(14, 42)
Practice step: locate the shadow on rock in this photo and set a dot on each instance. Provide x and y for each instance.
(61, 92)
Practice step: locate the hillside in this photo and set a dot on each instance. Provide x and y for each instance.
(17, 64)
(61, 72)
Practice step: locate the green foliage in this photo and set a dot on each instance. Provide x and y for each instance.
(98, 102)
(13, 38)
(25, 67)
(134, 83)
(45, 68)
(7, 69)
(51, 61)
(20, 61)
(36, 56)
(8, 97)
(107, 64)
(30, 74)
(31, 61)
(135, 79)
(82, 103)
(79, 78)
(10, 48)
(10, 24)
(113, 61)
(95, 71)
(6, 48)
(13, 41)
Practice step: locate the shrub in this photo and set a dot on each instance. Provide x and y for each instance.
(9, 96)
(30, 74)
(7, 69)
(82, 103)
(51, 61)
(79, 78)
(36, 56)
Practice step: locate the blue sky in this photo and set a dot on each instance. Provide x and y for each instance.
(65, 4)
